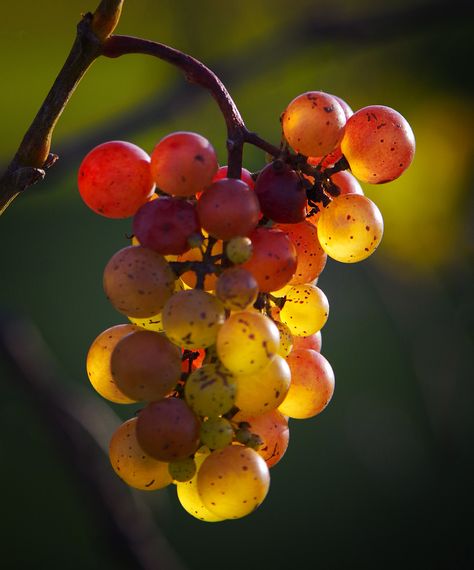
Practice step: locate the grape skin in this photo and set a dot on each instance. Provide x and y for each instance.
(350, 228)
(306, 310)
(216, 433)
(232, 482)
(210, 390)
(132, 464)
(237, 289)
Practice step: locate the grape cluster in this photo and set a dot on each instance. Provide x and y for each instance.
(222, 344)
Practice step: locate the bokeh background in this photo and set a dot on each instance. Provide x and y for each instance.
(382, 478)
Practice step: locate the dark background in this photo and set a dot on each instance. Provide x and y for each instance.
(383, 478)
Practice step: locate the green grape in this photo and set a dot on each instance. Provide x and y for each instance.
(189, 497)
(192, 318)
(183, 470)
(216, 433)
(286, 339)
(265, 390)
(132, 464)
(237, 289)
(350, 228)
(247, 342)
(210, 390)
(306, 310)
(232, 482)
(239, 249)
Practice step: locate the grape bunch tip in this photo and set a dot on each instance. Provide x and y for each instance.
(222, 343)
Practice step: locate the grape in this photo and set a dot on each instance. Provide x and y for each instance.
(153, 323)
(281, 193)
(146, 365)
(183, 163)
(232, 482)
(245, 176)
(239, 249)
(192, 318)
(98, 363)
(265, 390)
(210, 390)
(286, 339)
(166, 225)
(216, 433)
(346, 183)
(114, 179)
(378, 144)
(138, 281)
(237, 289)
(306, 310)
(228, 208)
(247, 342)
(168, 430)
(132, 464)
(195, 254)
(312, 384)
(272, 428)
(189, 497)
(313, 341)
(310, 255)
(273, 262)
(350, 228)
(313, 123)
(183, 470)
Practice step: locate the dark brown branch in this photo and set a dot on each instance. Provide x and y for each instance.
(81, 425)
(33, 156)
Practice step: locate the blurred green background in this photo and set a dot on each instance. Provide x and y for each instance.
(383, 478)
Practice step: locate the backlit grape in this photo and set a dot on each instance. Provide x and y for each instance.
(306, 310)
(216, 433)
(210, 390)
(237, 288)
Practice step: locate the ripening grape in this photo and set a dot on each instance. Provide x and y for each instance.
(286, 339)
(216, 433)
(168, 430)
(228, 208)
(192, 318)
(146, 365)
(312, 384)
(166, 225)
(247, 342)
(138, 281)
(153, 323)
(378, 144)
(350, 228)
(311, 256)
(272, 428)
(183, 163)
(245, 176)
(347, 183)
(232, 482)
(183, 470)
(237, 288)
(132, 464)
(210, 390)
(264, 390)
(273, 262)
(239, 249)
(313, 123)
(306, 310)
(98, 363)
(195, 254)
(313, 341)
(281, 193)
(189, 497)
(114, 179)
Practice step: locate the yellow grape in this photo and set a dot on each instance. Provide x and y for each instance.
(312, 384)
(247, 342)
(98, 363)
(232, 482)
(189, 497)
(286, 339)
(132, 464)
(306, 310)
(210, 390)
(265, 390)
(216, 433)
(192, 318)
(350, 228)
(154, 323)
